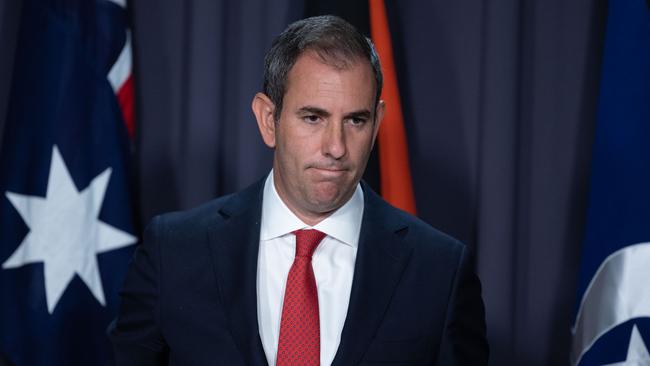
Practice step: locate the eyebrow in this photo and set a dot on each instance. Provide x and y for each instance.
(364, 113)
(314, 110)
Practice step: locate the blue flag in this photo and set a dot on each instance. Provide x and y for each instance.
(612, 324)
(66, 228)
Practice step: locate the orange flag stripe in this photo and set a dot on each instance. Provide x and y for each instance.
(395, 174)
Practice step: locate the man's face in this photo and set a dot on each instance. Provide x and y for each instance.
(323, 139)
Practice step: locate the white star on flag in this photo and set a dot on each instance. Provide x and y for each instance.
(637, 352)
(65, 232)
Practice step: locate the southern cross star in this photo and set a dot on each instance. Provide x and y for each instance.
(637, 352)
(65, 232)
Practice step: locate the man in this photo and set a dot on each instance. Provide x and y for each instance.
(308, 266)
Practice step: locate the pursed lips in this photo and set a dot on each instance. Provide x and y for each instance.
(329, 171)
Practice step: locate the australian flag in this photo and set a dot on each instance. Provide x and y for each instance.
(612, 325)
(66, 227)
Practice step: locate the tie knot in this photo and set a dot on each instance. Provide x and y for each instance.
(307, 241)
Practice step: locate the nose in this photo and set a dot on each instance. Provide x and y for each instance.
(333, 144)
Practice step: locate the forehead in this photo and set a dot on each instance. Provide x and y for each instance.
(312, 80)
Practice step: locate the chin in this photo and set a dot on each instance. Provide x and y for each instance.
(327, 200)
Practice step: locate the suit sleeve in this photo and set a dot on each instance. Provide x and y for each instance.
(464, 341)
(135, 333)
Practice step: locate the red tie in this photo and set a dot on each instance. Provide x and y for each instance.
(299, 342)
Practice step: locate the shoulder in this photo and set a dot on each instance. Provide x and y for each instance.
(197, 217)
(424, 238)
(428, 241)
(196, 220)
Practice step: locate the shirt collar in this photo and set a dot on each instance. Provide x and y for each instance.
(343, 224)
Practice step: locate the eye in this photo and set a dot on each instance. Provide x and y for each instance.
(358, 121)
(312, 118)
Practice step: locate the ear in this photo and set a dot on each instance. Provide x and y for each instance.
(379, 116)
(264, 109)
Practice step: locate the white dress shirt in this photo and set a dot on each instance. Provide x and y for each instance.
(333, 264)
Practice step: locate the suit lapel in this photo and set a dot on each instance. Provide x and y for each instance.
(381, 258)
(234, 244)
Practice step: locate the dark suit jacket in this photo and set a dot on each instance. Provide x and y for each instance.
(190, 294)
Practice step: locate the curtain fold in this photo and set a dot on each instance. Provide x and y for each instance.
(198, 65)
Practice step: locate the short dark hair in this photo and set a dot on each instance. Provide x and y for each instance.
(333, 39)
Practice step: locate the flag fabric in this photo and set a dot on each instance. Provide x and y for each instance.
(612, 324)
(66, 227)
(395, 172)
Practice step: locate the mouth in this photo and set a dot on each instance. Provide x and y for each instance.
(329, 172)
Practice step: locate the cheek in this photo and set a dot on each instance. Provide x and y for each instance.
(295, 136)
(303, 148)
(360, 147)
(292, 152)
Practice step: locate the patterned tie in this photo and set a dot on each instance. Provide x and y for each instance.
(299, 342)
